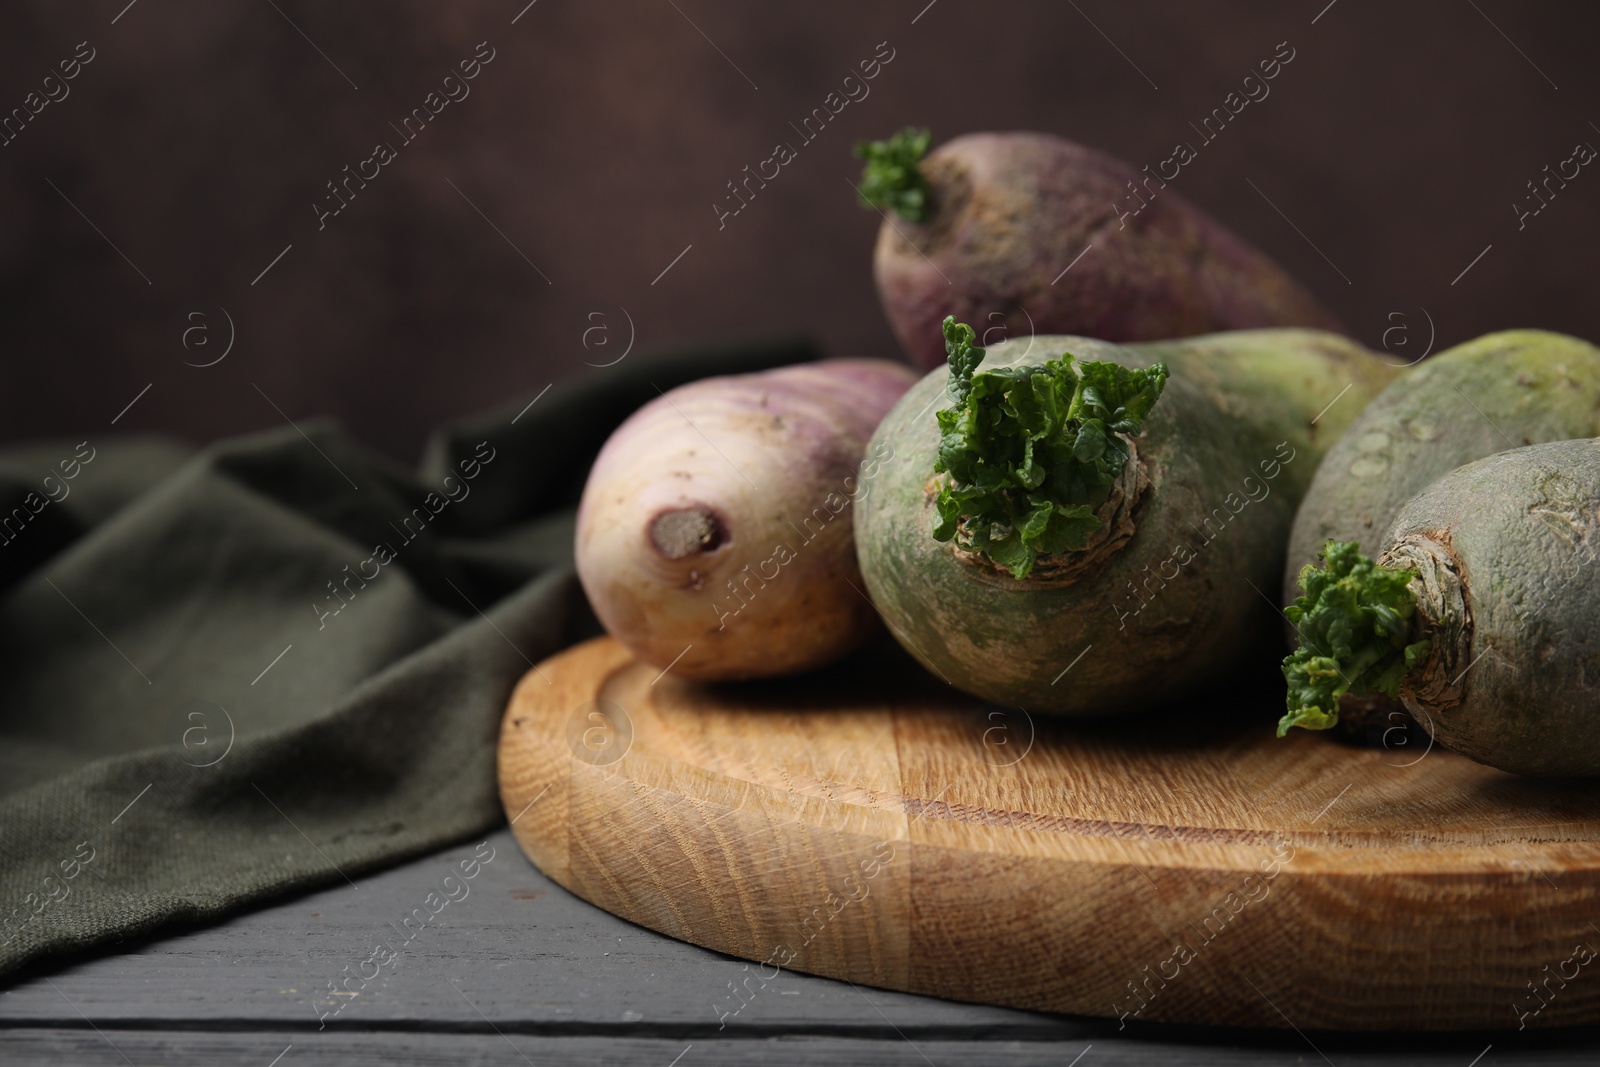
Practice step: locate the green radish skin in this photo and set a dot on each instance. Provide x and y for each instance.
(1233, 438)
(1509, 591)
(1501, 391)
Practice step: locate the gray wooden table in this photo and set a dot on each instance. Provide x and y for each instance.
(520, 971)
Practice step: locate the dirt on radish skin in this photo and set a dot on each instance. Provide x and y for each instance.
(1006, 213)
(714, 534)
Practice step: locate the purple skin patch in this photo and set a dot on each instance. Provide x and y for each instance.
(1011, 211)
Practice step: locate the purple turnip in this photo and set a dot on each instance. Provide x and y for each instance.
(985, 227)
(711, 535)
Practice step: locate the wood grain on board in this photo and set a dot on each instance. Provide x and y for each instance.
(869, 823)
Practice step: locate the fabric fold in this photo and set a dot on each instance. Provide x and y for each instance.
(280, 662)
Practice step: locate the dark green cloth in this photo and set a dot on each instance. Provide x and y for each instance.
(158, 602)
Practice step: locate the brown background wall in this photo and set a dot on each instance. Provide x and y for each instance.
(600, 135)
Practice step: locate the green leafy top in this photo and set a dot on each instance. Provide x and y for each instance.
(1354, 621)
(891, 178)
(1031, 450)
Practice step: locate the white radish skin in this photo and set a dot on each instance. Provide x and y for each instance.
(714, 533)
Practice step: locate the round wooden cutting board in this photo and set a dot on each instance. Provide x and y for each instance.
(870, 823)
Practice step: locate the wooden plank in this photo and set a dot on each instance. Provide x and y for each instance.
(533, 959)
(521, 949)
(41, 1047)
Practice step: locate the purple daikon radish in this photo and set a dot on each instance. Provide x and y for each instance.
(714, 534)
(987, 225)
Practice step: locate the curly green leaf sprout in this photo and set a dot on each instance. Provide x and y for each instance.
(891, 179)
(1354, 620)
(1032, 451)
